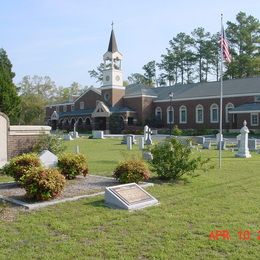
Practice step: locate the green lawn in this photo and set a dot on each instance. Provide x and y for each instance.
(178, 228)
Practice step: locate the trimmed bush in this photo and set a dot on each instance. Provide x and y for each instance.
(133, 170)
(43, 184)
(72, 165)
(171, 160)
(20, 165)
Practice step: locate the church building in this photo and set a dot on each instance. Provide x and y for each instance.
(190, 106)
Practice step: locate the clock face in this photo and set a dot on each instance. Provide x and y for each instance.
(117, 78)
(107, 78)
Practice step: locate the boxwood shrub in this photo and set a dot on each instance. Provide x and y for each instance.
(43, 184)
(72, 165)
(20, 165)
(133, 170)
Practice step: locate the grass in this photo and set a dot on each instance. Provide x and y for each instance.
(178, 228)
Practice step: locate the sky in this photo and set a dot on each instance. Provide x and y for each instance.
(64, 39)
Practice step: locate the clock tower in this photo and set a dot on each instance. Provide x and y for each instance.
(113, 89)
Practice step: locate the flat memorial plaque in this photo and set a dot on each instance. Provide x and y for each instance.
(128, 196)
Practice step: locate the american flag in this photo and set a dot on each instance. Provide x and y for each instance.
(224, 46)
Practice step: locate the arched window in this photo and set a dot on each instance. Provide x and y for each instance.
(170, 115)
(229, 106)
(158, 113)
(183, 114)
(214, 114)
(199, 114)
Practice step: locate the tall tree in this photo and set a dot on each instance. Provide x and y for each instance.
(137, 78)
(9, 100)
(150, 73)
(244, 37)
(97, 73)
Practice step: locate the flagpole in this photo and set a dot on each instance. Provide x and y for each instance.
(221, 94)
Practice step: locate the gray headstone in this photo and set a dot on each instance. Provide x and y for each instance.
(252, 144)
(129, 141)
(141, 143)
(48, 159)
(68, 137)
(147, 156)
(200, 139)
(223, 146)
(128, 196)
(207, 144)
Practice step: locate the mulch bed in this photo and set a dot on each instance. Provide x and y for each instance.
(77, 187)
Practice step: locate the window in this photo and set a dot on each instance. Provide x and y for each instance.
(199, 114)
(254, 119)
(57, 109)
(229, 106)
(214, 113)
(158, 113)
(72, 107)
(183, 114)
(81, 105)
(170, 115)
(64, 108)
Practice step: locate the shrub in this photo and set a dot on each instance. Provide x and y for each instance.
(43, 184)
(133, 170)
(53, 143)
(171, 160)
(176, 130)
(72, 165)
(20, 165)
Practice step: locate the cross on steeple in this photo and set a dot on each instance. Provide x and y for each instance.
(112, 24)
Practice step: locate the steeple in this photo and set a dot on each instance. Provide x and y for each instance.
(112, 47)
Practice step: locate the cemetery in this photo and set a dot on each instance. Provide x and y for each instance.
(185, 203)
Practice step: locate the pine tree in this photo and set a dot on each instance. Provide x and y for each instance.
(9, 99)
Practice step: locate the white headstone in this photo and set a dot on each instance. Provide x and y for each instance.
(3, 139)
(141, 143)
(67, 137)
(129, 141)
(243, 150)
(98, 134)
(149, 140)
(207, 144)
(48, 159)
(145, 132)
(147, 156)
(128, 196)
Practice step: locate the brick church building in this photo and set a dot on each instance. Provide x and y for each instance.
(190, 106)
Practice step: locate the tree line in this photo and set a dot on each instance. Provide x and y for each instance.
(195, 57)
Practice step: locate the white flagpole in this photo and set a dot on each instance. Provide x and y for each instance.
(221, 92)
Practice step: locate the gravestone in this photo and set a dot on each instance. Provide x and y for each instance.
(155, 132)
(243, 150)
(200, 139)
(252, 144)
(149, 140)
(77, 149)
(67, 137)
(48, 159)
(223, 145)
(4, 124)
(238, 140)
(129, 141)
(145, 132)
(74, 134)
(141, 143)
(128, 196)
(98, 134)
(207, 144)
(147, 156)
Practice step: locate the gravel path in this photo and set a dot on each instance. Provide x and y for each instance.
(77, 187)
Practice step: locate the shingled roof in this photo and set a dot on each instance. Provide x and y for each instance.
(204, 90)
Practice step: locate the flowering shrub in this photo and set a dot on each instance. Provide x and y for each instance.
(133, 170)
(72, 165)
(20, 165)
(43, 184)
